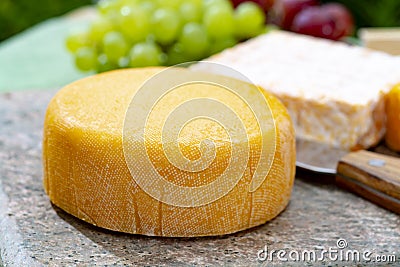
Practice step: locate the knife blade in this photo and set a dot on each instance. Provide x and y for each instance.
(372, 175)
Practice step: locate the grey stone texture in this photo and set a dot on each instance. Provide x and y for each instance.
(33, 232)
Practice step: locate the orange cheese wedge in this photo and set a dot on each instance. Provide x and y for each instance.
(101, 166)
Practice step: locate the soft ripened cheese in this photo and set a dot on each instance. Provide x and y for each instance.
(333, 91)
(87, 175)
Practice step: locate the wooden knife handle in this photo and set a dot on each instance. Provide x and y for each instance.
(373, 176)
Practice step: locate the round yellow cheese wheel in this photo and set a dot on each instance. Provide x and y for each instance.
(144, 151)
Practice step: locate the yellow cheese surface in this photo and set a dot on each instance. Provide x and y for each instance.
(87, 175)
(393, 118)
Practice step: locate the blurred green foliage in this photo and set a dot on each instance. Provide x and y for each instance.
(373, 13)
(17, 15)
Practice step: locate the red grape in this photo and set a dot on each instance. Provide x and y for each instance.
(264, 4)
(343, 19)
(331, 21)
(284, 11)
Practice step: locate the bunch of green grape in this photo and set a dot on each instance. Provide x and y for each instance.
(139, 33)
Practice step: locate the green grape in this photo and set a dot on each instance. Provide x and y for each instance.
(106, 6)
(113, 17)
(77, 40)
(103, 64)
(268, 28)
(148, 7)
(163, 59)
(109, 6)
(219, 22)
(166, 25)
(249, 20)
(194, 40)
(220, 45)
(134, 23)
(99, 28)
(124, 62)
(173, 4)
(145, 54)
(140, 33)
(175, 55)
(151, 38)
(128, 2)
(114, 46)
(198, 3)
(190, 12)
(86, 59)
(207, 4)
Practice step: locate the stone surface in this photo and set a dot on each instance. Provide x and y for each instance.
(35, 233)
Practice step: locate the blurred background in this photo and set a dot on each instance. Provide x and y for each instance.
(373, 13)
(47, 44)
(18, 15)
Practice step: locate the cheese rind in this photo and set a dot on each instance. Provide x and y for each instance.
(393, 118)
(334, 92)
(85, 172)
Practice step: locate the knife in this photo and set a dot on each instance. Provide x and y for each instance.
(372, 175)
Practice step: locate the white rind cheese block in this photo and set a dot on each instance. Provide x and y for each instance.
(334, 92)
